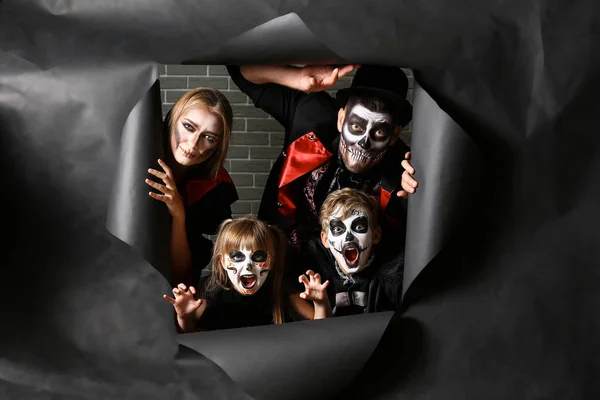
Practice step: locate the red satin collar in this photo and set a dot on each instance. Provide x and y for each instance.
(196, 188)
(302, 156)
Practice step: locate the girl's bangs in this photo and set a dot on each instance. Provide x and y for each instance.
(250, 236)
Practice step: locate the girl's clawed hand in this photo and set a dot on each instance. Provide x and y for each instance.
(313, 289)
(184, 302)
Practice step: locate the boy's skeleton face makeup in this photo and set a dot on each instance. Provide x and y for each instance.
(350, 240)
(366, 136)
(247, 269)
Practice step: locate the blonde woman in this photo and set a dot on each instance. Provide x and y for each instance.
(193, 184)
(246, 287)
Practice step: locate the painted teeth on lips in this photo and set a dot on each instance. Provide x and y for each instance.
(359, 153)
(354, 152)
(188, 154)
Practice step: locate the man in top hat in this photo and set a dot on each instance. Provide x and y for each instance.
(330, 144)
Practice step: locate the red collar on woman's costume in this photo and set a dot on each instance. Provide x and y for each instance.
(196, 188)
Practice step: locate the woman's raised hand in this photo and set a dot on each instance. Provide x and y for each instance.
(170, 196)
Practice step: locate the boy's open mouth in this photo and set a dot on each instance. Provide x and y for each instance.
(248, 281)
(351, 253)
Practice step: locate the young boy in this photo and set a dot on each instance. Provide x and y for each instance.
(362, 280)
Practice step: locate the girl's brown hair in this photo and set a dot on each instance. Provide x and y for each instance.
(250, 233)
(218, 104)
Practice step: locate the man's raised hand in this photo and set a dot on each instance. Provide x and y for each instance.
(409, 183)
(316, 78)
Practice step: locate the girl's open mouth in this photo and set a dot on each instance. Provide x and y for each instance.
(248, 281)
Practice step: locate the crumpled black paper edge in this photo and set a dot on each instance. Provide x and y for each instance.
(490, 79)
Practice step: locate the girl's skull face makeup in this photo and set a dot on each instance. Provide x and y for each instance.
(366, 136)
(247, 269)
(350, 240)
(195, 135)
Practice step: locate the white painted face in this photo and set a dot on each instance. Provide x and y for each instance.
(365, 137)
(247, 269)
(350, 240)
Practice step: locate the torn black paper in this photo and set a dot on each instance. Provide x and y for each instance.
(448, 167)
(133, 216)
(292, 360)
(505, 308)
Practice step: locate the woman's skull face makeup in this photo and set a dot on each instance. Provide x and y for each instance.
(350, 240)
(366, 136)
(247, 269)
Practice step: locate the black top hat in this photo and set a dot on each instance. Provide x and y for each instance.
(387, 83)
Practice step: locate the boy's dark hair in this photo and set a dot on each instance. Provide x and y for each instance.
(347, 199)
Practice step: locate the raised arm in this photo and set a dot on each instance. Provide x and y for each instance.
(279, 90)
(313, 78)
(181, 256)
(285, 75)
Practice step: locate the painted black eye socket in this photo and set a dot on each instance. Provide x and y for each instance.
(356, 128)
(360, 225)
(237, 256)
(379, 134)
(337, 227)
(259, 256)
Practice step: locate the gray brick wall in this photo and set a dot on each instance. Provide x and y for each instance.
(256, 139)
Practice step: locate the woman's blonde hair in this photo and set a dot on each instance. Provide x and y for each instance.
(343, 201)
(218, 104)
(250, 233)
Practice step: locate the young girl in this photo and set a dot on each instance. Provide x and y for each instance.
(246, 286)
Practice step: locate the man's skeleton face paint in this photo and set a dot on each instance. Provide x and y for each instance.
(365, 137)
(350, 240)
(247, 269)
